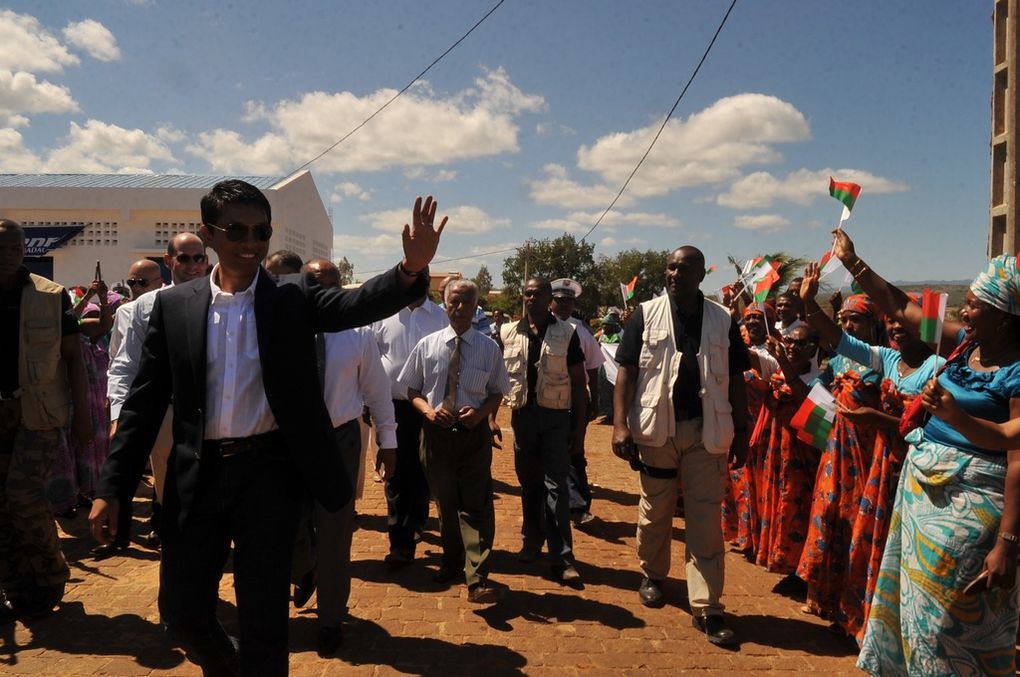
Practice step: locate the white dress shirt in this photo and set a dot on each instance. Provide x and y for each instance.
(769, 364)
(235, 397)
(131, 322)
(482, 371)
(398, 334)
(785, 331)
(352, 358)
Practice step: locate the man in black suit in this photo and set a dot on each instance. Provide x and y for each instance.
(235, 354)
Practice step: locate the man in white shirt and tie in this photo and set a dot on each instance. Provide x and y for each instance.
(407, 491)
(456, 379)
(353, 377)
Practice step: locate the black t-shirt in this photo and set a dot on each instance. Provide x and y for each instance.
(686, 397)
(574, 353)
(10, 328)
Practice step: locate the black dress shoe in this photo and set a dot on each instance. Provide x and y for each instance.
(447, 574)
(397, 560)
(650, 592)
(108, 549)
(329, 641)
(528, 553)
(715, 629)
(303, 590)
(152, 540)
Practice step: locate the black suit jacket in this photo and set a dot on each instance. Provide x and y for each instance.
(173, 369)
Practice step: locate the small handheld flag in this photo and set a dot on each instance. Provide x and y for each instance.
(933, 315)
(845, 192)
(627, 290)
(814, 419)
(759, 275)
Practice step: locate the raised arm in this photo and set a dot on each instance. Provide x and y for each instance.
(890, 299)
(827, 329)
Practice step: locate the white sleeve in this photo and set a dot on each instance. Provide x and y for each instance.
(593, 357)
(124, 365)
(376, 392)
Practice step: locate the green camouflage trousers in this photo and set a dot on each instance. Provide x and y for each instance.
(30, 556)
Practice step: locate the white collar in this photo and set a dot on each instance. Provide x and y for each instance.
(218, 291)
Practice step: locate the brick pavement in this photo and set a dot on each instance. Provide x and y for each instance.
(404, 623)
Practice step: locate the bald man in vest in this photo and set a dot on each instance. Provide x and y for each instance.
(680, 405)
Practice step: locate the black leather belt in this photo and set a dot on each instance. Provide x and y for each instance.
(232, 446)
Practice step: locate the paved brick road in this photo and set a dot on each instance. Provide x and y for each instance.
(406, 624)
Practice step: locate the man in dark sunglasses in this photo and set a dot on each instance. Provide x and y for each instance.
(186, 259)
(235, 354)
(143, 276)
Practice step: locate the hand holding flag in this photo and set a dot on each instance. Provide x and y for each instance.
(814, 419)
(845, 192)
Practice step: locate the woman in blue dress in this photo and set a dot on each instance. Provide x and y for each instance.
(957, 508)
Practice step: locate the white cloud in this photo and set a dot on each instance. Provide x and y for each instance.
(421, 128)
(30, 47)
(711, 145)
(557, 188)
(102, 147)
(421, 174)
(761, 189)
(21, 93)
(766, 223)
(368, 251)
(93, 38)
(14, 157)
(349, 189)
(608, 242)
(464, 219)
(580, 222)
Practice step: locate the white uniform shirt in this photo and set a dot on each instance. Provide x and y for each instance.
(769, 365)
(593, 357)
(482, 371)
(398, 334)
(354, 378)
(131, 323)
(235, 398)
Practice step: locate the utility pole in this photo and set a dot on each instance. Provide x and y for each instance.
(1003, 206)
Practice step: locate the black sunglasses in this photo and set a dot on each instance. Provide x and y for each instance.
(238, 232)
(142, 282)
(800, 343)
(191, 258)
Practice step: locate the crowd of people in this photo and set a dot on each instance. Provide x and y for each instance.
(244, 388)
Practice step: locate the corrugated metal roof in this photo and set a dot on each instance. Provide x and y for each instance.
(127, 180)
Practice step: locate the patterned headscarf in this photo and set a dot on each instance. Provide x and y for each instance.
(769, 312)
(998, 285)
(860, 304)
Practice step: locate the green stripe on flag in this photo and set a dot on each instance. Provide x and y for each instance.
(929, 329)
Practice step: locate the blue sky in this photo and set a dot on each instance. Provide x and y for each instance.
(529, 127)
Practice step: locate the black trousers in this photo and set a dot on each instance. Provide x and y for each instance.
(252, 500)
(407, 492)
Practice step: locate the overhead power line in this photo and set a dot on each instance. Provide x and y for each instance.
(397, 95)
(623, 188)
(664, 122)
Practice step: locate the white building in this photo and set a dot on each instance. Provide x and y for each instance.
(117, 219)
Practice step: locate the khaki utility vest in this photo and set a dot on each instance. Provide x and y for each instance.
(552, 388)
(42, 374)
(651, 417)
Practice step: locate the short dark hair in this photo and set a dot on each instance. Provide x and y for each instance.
(543, 284)
(7, 225)
(230, 192)
(289, 261)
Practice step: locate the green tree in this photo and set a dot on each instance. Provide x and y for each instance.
(484, 280)
(649, 266)
(346, 269)
(790, 266)
(553, 258)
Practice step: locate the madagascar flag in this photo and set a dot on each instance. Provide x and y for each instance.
(933, 315)
(844, 191)
(814, 419)
(628, 289)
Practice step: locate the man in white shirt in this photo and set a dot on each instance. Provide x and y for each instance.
(353, 377)
(143, 276)
(565, 293)
(788, 308)
(407, 491)
(235, 354)
(456, 379)
(187, 260)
